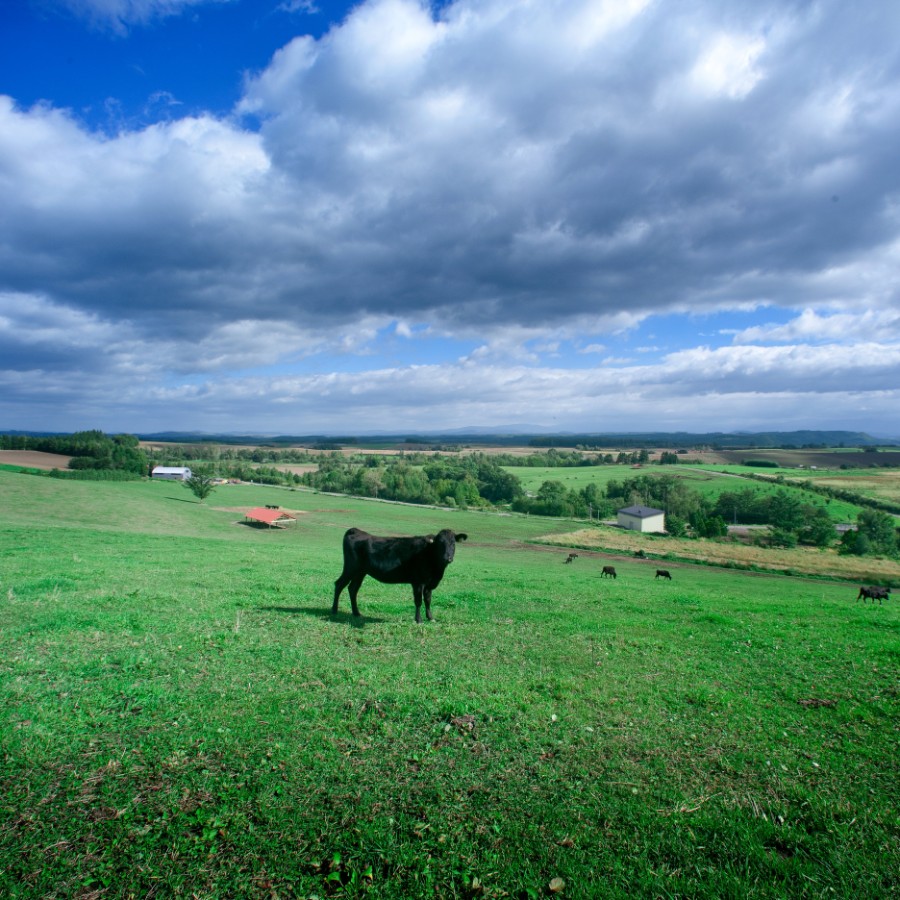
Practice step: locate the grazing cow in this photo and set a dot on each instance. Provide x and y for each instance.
(608, 572)
(417, 561)
(663, 573)
(570, 557)
(874, 593)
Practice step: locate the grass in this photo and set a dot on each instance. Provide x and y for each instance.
(709, 482)
(181, 717)
(806, 561)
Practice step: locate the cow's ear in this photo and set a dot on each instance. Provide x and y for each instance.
(462, 537)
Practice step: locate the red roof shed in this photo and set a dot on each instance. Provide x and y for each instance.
(271, 517)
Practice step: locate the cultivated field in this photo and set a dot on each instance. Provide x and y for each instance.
(34, 459)
(182, 717)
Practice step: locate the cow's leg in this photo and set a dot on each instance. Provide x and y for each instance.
(417, 596)
(339, 585)
(427, 595)
(353, 590)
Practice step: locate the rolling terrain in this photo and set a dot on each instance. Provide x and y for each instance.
(181, 715)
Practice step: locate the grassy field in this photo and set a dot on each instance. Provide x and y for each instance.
(709, 482)
(801, 561)
(181, 716)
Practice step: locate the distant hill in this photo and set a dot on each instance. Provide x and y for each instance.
(531, 435)
(739, 440)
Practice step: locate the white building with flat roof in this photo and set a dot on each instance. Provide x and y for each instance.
(642, 518)
(171, 473)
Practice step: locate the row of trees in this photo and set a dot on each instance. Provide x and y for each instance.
(90, 450)
(469, 481)
(791, 520)
(479, 480)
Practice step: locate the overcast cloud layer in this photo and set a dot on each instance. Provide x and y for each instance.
(587, 215)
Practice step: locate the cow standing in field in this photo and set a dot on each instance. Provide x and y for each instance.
(608, 572)
(571, 556)
(417, 561)
(874, 593)
(663, 573)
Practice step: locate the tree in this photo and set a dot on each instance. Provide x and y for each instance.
(780, 537)
(497, 485)
(785, 511)
(879, 529)
(709, 526)
(818, 529)
(676, 526)
(200, 485)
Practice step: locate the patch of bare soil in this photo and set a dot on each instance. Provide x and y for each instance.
(34, 459)
(245, 509)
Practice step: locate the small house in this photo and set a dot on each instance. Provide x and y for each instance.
(642, 518)
(171, 473)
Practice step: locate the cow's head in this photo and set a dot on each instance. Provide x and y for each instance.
(445, 544)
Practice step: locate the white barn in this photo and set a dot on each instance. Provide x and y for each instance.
(171, 473)
(642, 518)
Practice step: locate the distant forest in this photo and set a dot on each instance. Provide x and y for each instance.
(661, 439)
(713, 440)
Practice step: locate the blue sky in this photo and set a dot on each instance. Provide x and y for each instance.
(590, 215)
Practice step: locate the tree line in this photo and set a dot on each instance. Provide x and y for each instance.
(482, 480)
(91, 451)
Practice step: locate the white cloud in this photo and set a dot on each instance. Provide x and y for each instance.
(523, 177)
(728, 65)
(838, 327)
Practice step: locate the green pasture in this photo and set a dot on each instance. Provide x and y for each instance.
(709, 481)
(181, 716)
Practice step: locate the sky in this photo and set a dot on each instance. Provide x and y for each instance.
(313, 217)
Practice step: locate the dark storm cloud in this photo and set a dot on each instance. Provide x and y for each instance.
(493, 169)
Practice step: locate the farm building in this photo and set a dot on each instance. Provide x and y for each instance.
(271, 516)
(642, 518)
(171, 473)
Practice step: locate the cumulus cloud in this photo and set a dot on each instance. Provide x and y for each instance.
(811, 326)
(525, 180)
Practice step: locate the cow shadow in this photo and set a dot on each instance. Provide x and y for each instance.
(319, 612)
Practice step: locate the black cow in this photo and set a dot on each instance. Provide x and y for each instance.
(571, 556)
(663, 573)
(608, 572)
(874, 593)
(417, 561)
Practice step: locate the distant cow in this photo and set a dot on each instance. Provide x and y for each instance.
(417, 561)
(874, 593)
(570, 557)
(608, 572)
(663, 573)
